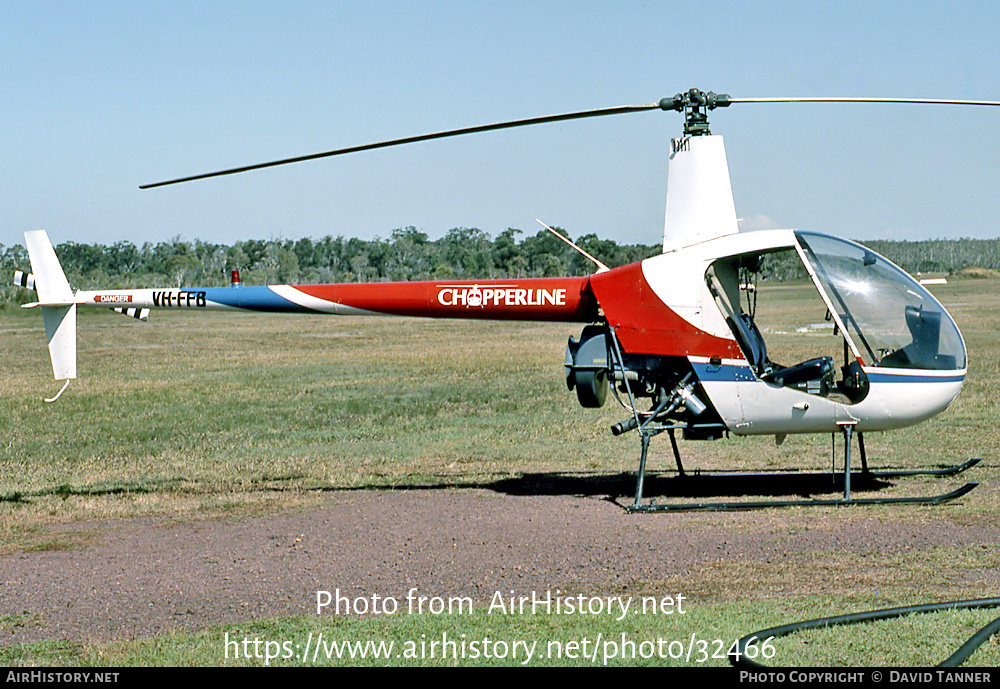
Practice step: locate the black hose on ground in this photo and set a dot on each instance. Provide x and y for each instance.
(738, 655)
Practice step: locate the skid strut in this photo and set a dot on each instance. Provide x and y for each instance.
(848, 430)
(647, 431)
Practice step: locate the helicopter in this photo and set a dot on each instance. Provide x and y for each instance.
(675, 338)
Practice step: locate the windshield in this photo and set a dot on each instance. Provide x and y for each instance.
(890, 317)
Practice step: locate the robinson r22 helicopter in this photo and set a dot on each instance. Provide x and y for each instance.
(678, 329)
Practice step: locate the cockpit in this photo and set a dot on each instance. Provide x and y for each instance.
(782, 304)
(891, 317)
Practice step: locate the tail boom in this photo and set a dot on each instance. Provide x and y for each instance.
(548, 299)
(564, 299)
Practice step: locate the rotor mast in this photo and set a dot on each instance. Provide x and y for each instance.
(695, 105)
(700, 202)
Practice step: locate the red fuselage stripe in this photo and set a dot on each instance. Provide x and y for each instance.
(530, 299)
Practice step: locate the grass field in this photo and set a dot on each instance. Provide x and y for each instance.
(196, 415)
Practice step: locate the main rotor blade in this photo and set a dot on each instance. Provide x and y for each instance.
(414, 139)
(824, 99)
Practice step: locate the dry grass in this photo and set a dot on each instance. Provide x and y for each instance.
(193, 411)
(202, 413)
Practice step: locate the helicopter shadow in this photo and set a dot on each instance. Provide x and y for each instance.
(690, 485)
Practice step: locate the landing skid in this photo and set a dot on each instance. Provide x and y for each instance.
(646, 433)
(952, 470)
(758, 505)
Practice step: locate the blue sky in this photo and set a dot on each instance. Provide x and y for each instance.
(99, 97)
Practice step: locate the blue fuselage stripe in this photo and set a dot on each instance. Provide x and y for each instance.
(723, 373)
(874, 377)
(735, 373)
(253, 298)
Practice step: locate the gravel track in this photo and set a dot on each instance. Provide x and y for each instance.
(142, 576)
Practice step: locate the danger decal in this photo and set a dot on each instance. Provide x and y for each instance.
(113, 298)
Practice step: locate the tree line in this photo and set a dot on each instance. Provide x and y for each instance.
(408, 254)
(943, 256)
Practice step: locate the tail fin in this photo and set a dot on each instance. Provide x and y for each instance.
(58, 305)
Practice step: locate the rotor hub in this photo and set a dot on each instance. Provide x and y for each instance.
(695, 105)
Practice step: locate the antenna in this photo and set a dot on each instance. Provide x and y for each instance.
(601, 268)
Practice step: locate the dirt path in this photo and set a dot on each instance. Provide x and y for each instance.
(141, 577)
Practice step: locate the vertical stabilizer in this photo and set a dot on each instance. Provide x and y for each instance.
(699, 194)
(57, 301)
(60, 328)
(50, 280)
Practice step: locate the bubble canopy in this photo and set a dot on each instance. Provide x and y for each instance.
(892, 320)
